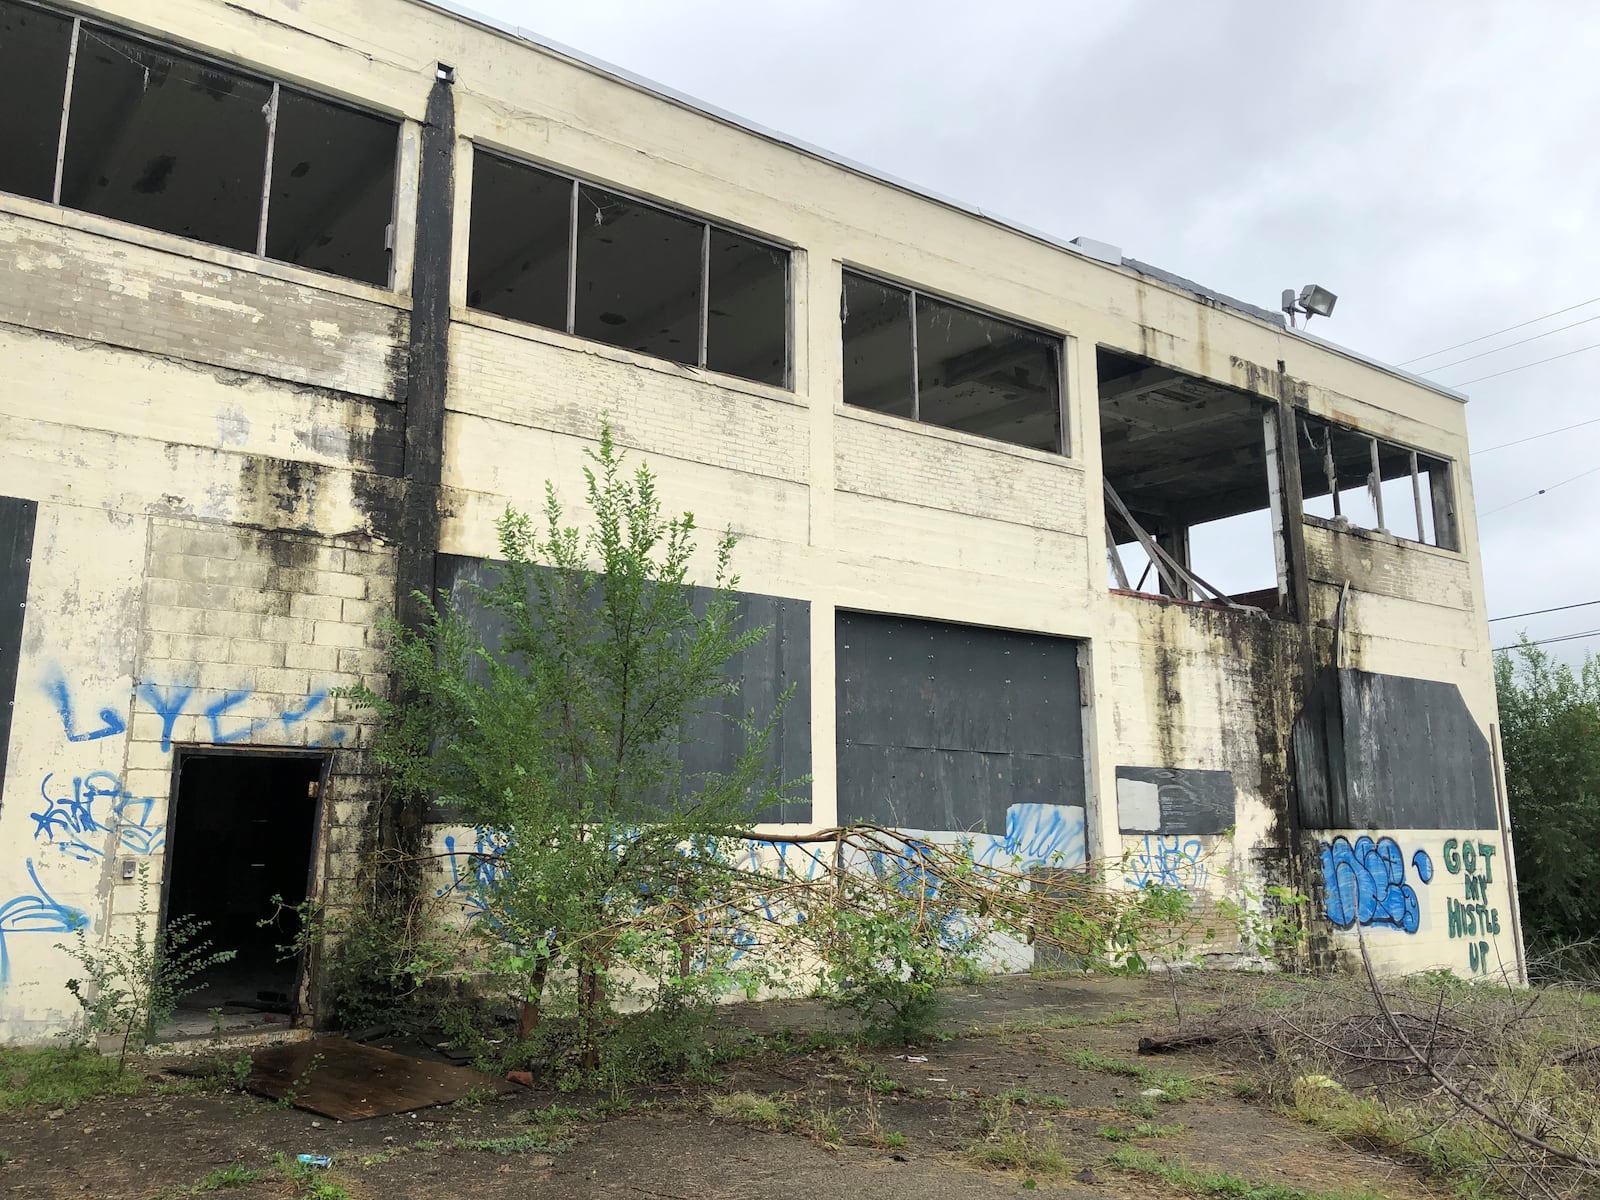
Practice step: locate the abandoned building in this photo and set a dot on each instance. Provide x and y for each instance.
(1060, 550)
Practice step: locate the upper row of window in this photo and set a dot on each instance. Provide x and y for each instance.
(99, 120)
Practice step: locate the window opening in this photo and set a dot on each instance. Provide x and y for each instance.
(34, 48)
(112, 124)
(913, 355)
(242, 833)
(553, 251)
(1354, 479)
(1190, 487)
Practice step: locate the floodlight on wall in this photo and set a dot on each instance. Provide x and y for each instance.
(1313, 301)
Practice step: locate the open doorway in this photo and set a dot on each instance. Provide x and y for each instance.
(243, 831)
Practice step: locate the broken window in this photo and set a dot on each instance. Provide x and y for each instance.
(1189, 482)
(112, 124)
(547, 249)
(1355, 479)
(912, 355)
(33, 75)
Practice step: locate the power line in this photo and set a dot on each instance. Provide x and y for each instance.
(1533, 437)
(1539, 612)
(1535, 363)
(1498, 332)
(1509, 345)
(1540, 492)
(1570, 637)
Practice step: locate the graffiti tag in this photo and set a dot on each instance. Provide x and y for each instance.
(1365, 883)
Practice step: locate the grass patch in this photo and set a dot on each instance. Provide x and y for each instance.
(1175, 1088)
(231, 1176)
(1008, 1145)
(59, 1077)
(521, 1143)
(749, 1108)
(1209, 1183)
(1046, 1024)
(310, 1183)
(1034, 1100)
(1144, 1129)
(1451, 1150)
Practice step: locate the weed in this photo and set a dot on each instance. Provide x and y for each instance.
(1142, 1108)
(826, 1126)
(522, 1143)
(1175, 1088)
(1116, 1133)
(1033, 1099)
(231, 1176)
(56, 1077)
(1450, 1149)
(1206, 1183)
(311, 1183)
(1047, 1024)
(1007, 1145)
(748, 1108)
(894, 1141)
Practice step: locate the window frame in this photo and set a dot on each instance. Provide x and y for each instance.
(96, 23)
(1440, 498)
(577, 182)
(1058, 339)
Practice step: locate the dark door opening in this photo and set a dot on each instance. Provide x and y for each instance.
(242, 832)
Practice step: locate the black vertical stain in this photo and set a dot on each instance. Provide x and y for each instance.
(427, 365)
(17, 519)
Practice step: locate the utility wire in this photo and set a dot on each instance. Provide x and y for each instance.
(1539, 612)
(1570, 637)
(1509, 345)
(1536, 362)
(1485, 337)
(1533, 437)
(1540, 492)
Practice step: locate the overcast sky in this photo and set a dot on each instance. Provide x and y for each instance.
(1434, 164)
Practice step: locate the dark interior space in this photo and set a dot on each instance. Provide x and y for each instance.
(1338, 467)
(638, 277)
(646, 279)
(33, 76)
(242, 832)
(332, 188)
(1187, 457)
(944, 364)
(165, 141)
(519, 240)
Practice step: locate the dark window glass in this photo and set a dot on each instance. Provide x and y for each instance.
(877, 346)
(165, 141)
(747, 319)
(332, 188)
(518, 243)
(33, 75)
(638, 277)
(987, 376)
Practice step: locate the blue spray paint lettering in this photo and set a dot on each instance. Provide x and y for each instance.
(1168, 860)
(1365, 883)
(96, 803)
(110, 723)
(35, 912)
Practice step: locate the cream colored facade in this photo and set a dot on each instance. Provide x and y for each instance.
(216, 446)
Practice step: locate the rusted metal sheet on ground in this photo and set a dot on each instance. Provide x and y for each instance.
(347, 1081)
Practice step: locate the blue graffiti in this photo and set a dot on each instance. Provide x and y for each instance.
(1167, 860)
(110, 723)
(475, 873)
(1037, 835)
(170, 701)
(69, 816)
(1365, 883)
(34, 913)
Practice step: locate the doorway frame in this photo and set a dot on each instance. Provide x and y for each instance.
(302, 1008)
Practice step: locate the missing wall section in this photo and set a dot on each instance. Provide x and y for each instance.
(1191, 484)
(549, 250)
(1350, 478)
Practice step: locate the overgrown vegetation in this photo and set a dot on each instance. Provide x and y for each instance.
(58, 1077)
(1550, 730)
(552, 707)
(133, 981)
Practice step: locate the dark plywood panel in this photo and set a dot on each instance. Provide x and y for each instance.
(17, 519)
(1390, 752)
(347, 1081)
(944, 727)
(765, 671)
(1189, 802)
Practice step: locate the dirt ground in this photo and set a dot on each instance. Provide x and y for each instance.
(1032, 1063)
